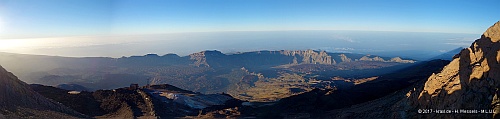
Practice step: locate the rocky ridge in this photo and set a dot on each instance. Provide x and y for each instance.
(281, 57)
(470, 82)
(344, 58)
(200, 58)
(309, 57)
(18, 100)
(377, 58)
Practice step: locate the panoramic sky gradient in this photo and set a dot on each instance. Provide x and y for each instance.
(52, 18)
(30, 23)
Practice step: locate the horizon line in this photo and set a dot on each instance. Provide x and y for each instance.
(224, 31)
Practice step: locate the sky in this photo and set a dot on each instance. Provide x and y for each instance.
(27, 23)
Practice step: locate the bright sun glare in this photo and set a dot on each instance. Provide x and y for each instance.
(11, 44)
(21, 45)
(32, 44)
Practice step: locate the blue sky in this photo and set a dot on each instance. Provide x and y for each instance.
(58, 18)
(118, 28)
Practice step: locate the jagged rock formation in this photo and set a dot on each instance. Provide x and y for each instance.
(377, 58)
(18, 100)
(398, 59)
(309, 57)
(200, 58)
(282, 57)
(344, 58)
(471, 81)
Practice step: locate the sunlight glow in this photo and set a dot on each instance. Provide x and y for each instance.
(12, 44)
(31, 45)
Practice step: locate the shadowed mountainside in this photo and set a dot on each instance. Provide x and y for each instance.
(18, 100)
(318, 101)
(156, 101)
(448, 55)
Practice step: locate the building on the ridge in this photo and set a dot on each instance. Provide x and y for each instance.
(134, 86)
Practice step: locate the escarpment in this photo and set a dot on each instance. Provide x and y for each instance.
(470, 82)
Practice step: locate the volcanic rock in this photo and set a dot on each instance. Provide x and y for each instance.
(18, 100)
(470, 82)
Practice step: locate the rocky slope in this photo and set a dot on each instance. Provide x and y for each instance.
(317, 102)
(468, 87)
(465, 88)
(470, 82)
(309, 57)
(18, 100)
(155, 101)
(200, 58)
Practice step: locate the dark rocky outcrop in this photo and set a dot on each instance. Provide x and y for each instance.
(18, 100)
(138, 102)
(82, 102)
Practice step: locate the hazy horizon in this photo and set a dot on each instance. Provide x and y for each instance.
(108, 28)
(365, 42)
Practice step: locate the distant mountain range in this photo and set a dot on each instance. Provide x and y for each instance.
(94, 72)
(265, 58)
(243, 75)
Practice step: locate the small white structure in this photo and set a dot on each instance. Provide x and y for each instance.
(74, 92)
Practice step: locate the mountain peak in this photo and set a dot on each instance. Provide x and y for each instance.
(493, 32)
